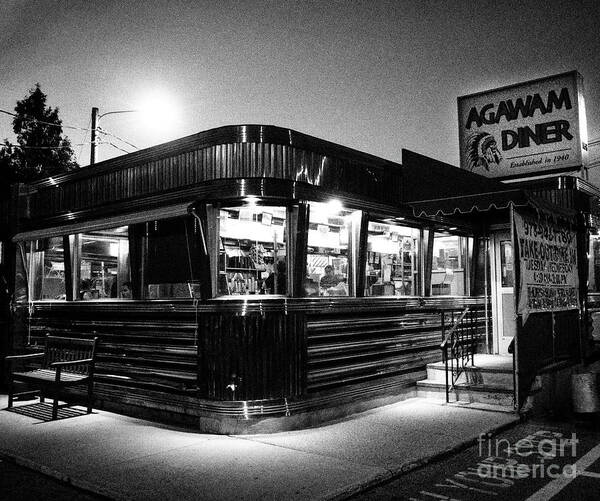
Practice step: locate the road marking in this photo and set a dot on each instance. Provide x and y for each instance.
(558, 484)
(589, 474)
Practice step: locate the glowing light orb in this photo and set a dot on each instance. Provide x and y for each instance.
(159, 111)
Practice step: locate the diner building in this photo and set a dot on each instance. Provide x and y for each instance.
(254, 278)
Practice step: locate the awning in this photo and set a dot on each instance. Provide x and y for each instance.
(465, 204)
(433, 188)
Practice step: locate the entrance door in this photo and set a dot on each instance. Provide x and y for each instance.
(503, 294)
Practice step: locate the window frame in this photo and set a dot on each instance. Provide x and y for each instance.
(208, 214)
(417, 256)
(465, 255)
(354, 252)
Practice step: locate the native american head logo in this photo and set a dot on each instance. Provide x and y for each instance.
(482, 151)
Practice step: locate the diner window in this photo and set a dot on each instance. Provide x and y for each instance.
(507, 278)
(252, 250)
(21, 282)
(450, 265)
(594, 264)
(103, 264)
(47, 268)
(172, 258)
(331, 248)
(392, 260)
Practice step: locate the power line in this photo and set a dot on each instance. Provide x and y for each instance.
(35, 120)
(82, 144)
(102, 131)
(117, 147)
(41, 147)
(18, 146)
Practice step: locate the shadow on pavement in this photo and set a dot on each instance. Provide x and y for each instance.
(43, 411)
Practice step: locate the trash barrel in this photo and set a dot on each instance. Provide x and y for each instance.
(585, 392)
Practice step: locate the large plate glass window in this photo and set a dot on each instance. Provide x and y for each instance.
(392, 260)
(172, 258)
(507, 278)
(449, 274)
(252, 250)
(332, 237)
(46, 263)
(104, 270)
(21, 272)
(594, 281)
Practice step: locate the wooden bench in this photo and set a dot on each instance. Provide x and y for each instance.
(65, 362)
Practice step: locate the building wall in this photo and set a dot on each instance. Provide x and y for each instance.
(226, 358)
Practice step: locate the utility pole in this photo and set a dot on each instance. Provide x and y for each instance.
(93, 143)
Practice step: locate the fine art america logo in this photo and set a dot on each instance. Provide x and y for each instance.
(543, 448)
(538, 465)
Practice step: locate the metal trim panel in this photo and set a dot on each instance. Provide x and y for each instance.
(104, 223)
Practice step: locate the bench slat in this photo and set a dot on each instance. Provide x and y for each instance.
(49, 375)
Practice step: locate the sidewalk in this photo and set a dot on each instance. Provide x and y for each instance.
(131, 459)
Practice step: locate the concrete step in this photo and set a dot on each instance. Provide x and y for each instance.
(476, 405)
(493, 376)
(467, 393)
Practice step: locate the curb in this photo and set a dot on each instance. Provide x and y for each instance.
(352, 490)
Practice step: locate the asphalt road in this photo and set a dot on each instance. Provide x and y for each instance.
(534, 461)
(19, 483)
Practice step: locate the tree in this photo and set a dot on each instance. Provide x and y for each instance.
(41, 149)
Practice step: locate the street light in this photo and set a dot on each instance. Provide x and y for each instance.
(157, 107)
(95, 119)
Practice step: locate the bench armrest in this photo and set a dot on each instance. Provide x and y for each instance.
(72, 362)
(29, 356)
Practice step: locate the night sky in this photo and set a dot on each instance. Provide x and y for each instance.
(377, 76)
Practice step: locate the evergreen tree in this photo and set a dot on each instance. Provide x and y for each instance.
(41, 149)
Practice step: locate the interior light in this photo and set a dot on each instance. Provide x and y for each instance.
(334, 205)
(452, 228)
(251, 200)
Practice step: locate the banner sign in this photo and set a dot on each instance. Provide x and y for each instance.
(547, 253)
(533, 128)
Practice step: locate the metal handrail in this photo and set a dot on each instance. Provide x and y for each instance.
(448, 336)
(451, 339)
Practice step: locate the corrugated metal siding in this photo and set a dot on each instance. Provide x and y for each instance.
(223, 161)
(143, 352)
(345, 349)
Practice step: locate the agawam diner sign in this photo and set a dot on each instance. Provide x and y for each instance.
(547, 253)
(528, 129)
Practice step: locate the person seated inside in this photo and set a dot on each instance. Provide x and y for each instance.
(85, 290)
(278, 279)
(330, 283)
(126, 291)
